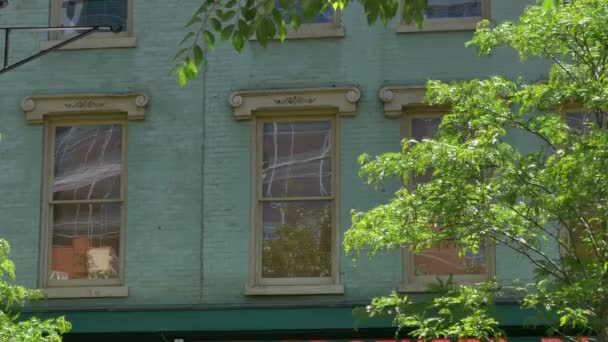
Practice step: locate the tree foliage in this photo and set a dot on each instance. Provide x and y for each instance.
(12, 299)
(549, 205)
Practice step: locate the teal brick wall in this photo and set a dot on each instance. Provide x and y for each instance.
(187, 234)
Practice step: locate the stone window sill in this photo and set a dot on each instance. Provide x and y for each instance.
(93, 43)
(316, 31)
(422, 283)
(447, 24)
(86, 292)
(310, 31)
(294, 290)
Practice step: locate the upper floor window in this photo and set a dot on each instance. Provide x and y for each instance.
(451, 15)
(114, 13)
(325, 24)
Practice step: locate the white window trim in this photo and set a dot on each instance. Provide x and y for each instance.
(449, 24)
(296, 105)
(81, 109)
(408, 102)
(98, 40)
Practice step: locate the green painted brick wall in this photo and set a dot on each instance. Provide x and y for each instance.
(187, 239)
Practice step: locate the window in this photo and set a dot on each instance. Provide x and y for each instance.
(116, 13)
(295, 193)
(442, 260)
(296, 203)
(574, 233)
(326, 24)
(84, 195)
(84, 202)
(420, 121)
(579, 119)
(452, 15)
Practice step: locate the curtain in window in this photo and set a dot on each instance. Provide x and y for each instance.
(93, 12)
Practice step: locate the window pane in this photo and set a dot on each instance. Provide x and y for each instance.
(94, 12)
(443, 259)
(453, 8)
(580, 121)
(296, 159)
(327, 16)
(87, 162)
(297, 239)
(86, 241)
(423, 128)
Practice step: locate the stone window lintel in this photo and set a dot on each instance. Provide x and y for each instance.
(395, 98)
(342, 99)
(36, 108)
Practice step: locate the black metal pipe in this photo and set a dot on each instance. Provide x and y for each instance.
(56, 28)
(44, 52)
(7, 32)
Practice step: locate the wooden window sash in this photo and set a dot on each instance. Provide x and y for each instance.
(257, 279)
(49, 202)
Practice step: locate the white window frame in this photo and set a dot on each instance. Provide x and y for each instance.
(448, 24)
(406, 103)
(125, 38)
(77, 110)
(304, 105)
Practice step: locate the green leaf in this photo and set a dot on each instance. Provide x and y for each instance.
(190, 69)
(261, 34)
(230, 4)
(193, 21)
(229, 15)
(181, 53)
(198, 54)
(294, 19)
(227, 32)
(248, 13)
(181, 76)
(210, 39)
(201, 9)
(216, 24)
(244, 28)
(186, 37)
(238, 41)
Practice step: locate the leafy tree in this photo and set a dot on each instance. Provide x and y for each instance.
(12, 298)
(549, 205)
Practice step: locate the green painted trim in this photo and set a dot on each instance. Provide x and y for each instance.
(245, 319)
